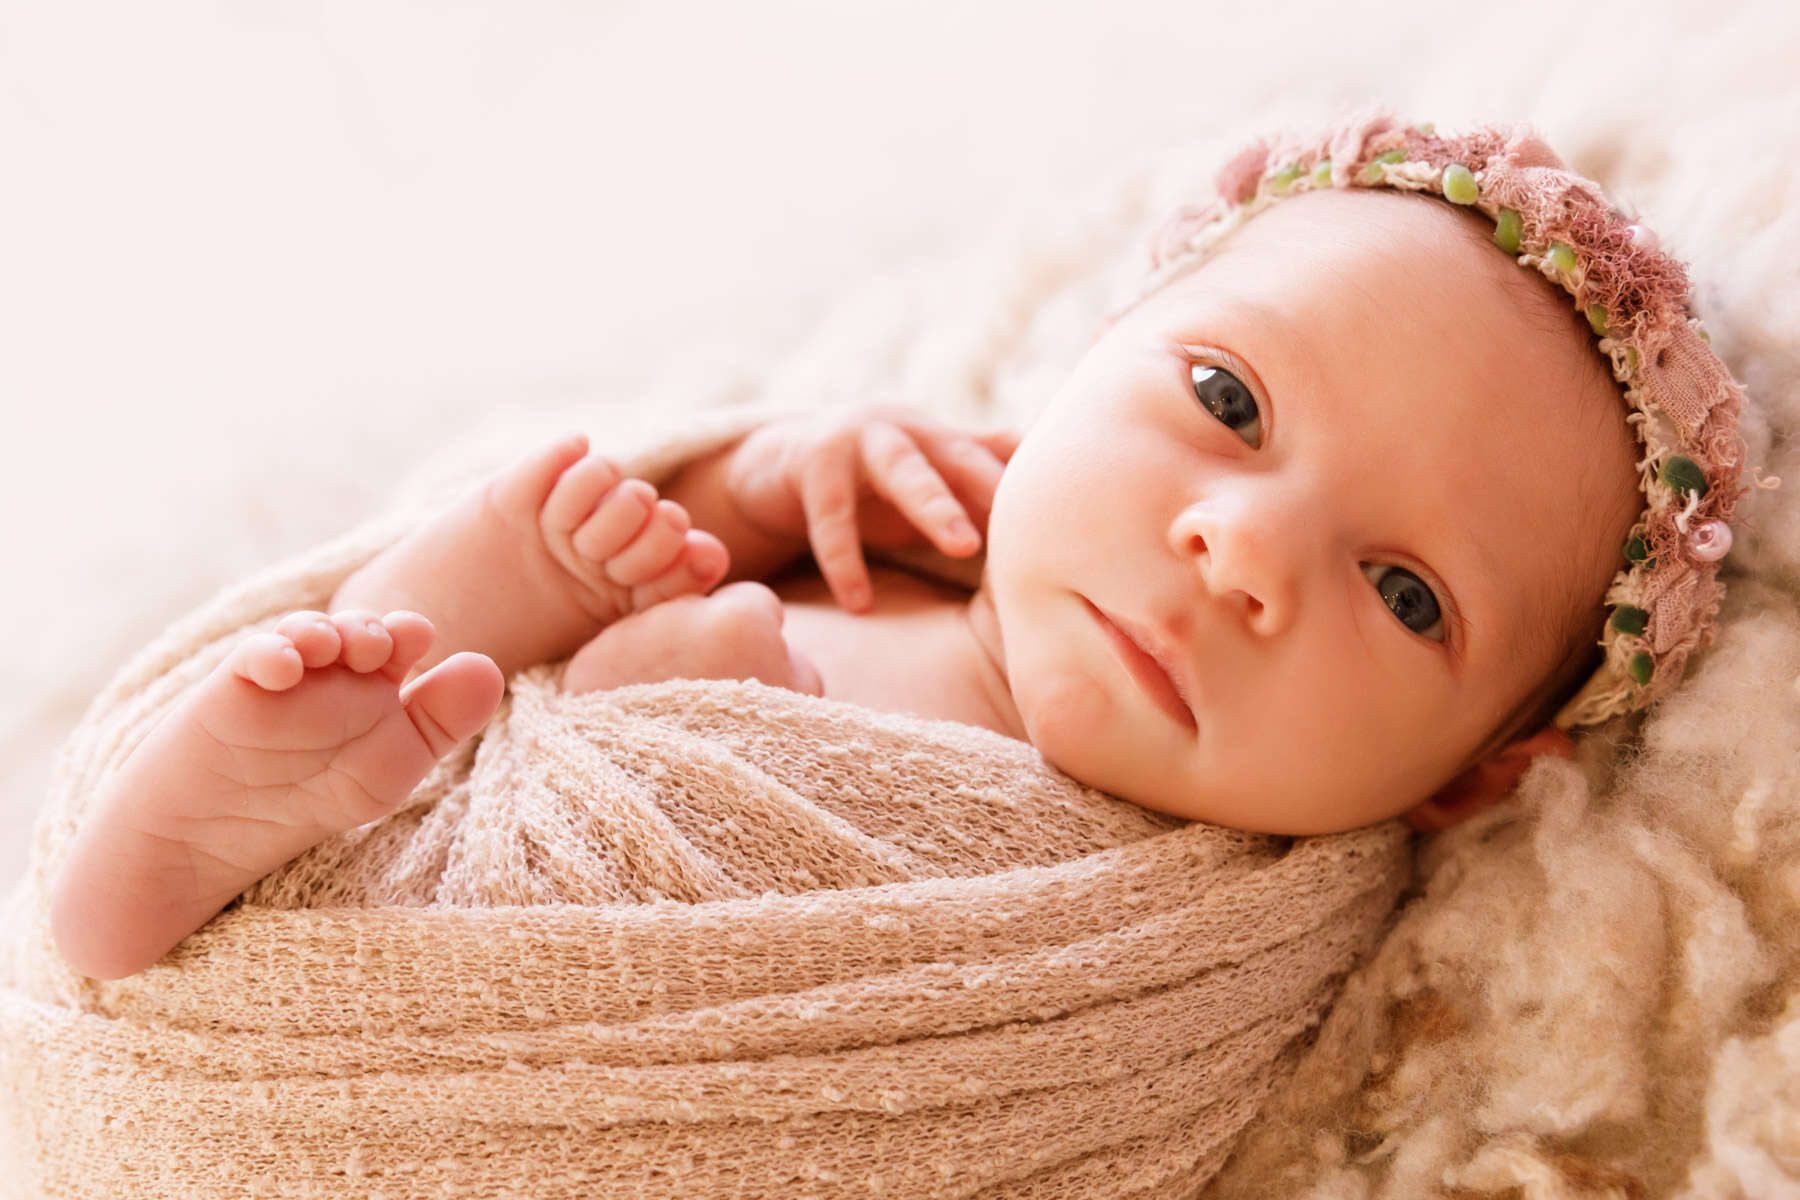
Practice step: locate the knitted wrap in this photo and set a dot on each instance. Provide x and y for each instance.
(690, 939)
(1682, 401)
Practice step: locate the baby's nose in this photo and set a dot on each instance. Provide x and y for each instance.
(1246, 563)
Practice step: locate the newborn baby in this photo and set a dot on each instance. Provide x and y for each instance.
(1322, 528)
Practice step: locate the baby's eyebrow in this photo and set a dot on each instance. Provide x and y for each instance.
(1272, 329)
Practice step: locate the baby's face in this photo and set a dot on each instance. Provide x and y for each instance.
(1361, 495)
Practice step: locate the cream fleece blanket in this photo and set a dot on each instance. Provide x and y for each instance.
(694, 939)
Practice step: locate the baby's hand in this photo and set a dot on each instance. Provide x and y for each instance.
(735, 633)
(887, 477)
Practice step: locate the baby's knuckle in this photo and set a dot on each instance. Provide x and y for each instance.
(943, 507)
(967, 450)
(906, 461)
(921, 476)
(839, 440)
(834, 507)
(886, 430)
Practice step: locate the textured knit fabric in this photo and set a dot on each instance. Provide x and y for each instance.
(689, 939)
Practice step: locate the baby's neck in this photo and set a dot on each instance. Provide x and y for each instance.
(988, 663)
(927, 648)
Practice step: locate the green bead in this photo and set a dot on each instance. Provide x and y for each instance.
(1459, 185)
(1640, 668)
(1631, 360)
(1322, 173)
(1597, 318)
(1627, 619)
(1562, 256)
(1425, 127)
(1507, 230)
(1683, 474)
(1283, 179)
(1635, 548)
(1705, 336)
(1372, 173)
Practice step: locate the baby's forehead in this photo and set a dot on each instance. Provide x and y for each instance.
(1396, 236)
(1403, 263)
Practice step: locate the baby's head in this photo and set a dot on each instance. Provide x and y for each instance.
(1362, 484)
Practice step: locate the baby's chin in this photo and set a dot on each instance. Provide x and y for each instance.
(1082, 731)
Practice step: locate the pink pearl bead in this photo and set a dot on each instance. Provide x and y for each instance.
(1709, 541)
(1643, 237)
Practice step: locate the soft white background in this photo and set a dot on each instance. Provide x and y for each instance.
(257, 257)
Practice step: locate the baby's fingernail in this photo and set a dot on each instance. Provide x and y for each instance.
(961, 530)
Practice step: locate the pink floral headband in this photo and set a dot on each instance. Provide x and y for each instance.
(1684, 403)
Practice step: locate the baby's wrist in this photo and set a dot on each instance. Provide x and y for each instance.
(702, 486)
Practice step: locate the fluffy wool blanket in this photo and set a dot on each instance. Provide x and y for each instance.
(690, 939)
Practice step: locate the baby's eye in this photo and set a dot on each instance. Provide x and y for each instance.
(1408, 598)
(1226, 398)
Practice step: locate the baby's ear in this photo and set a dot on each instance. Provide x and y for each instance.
(1487, 782)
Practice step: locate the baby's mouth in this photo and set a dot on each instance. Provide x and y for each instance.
(1151, 674)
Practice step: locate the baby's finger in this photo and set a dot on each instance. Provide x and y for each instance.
(367, 644)
(971, 465)
(900, 471)
(1000, 442)
(413, 634)
(702, 562)
(268, 660)
(828, 495)
(654, 549)
(313, 635)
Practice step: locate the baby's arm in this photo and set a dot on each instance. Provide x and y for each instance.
(556, 548)
(539, 559)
